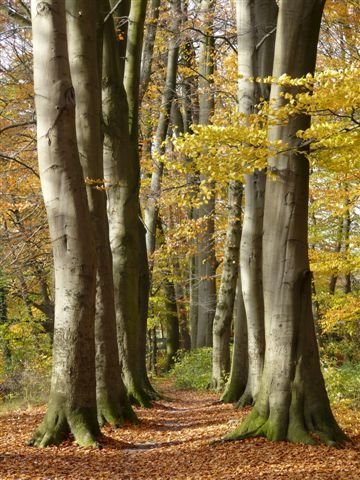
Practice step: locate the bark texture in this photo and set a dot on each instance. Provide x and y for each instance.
(122, 181)
(251, 275)
(235, 387)
(72, 402)
(226, 298)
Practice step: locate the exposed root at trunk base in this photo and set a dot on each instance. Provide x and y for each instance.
(292, 428)
(58, 423)
(142, 397)
(115, 413)
(232, 393)
(246, 399)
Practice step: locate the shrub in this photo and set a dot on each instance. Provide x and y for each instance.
(343, 384)
(192, 370)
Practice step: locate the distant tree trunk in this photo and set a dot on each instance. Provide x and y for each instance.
(153, 350)
(149, 43)
(346, 230)
(113, 405)
(190, 115)
(152, 204)
(194, 300)
(180, 294)
(225, 303)
(72, 402)
(172, 324)
(6, 351)
(292, 401)
(235, 387)
(339, 241)
(206, 260)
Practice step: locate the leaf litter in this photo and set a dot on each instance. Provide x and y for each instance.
(173, 442)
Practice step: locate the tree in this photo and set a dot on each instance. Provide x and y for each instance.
(112, 402)
(206, 261)
(72, 402)
(292, 401)
(122, 178)
(255, 25)
(226, 298)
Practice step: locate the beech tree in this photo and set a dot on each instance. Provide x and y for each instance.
(292, 400)
(205, 260)
(72, 402)
(112, 400)
(256, 25)
(255, 28)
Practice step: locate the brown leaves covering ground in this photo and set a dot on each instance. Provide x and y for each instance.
(173, 442)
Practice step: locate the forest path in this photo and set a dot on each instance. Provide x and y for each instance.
(173, 443)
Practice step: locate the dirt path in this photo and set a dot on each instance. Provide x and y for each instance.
(172, 442)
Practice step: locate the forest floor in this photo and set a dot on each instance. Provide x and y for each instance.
(173, 442)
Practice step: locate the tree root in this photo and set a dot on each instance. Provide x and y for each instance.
(296, 431)
(58, 423)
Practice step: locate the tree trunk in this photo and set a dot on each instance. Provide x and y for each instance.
(256, 22)
(180, 295)
(149, 43)
(239, 364)
(193, 300)
(206, 260)
(172, 324)
(346, 230)
(152, 204)
(113, 405)
(292, 401)
(339, 240)
(122, 181)
(72, 402)
(134, 45)
(225, 303)
(251, 275)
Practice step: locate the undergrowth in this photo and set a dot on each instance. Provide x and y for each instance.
(192, 370)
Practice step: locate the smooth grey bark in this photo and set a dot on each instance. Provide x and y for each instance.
(149, 44)
(134, 44)
(226, 298)
(235, 387)
(132, 69)
(121, 174)
(292, 401)
(255, 24)
(206, 263)
(251, 275)
(72, 401)
(113, 405)
(121, 18)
